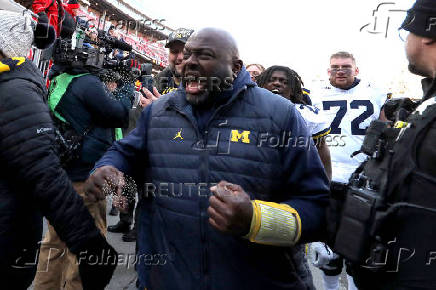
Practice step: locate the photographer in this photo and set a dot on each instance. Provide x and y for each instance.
(32, 182)
(79, 99)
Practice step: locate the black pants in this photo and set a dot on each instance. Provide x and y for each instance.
(337, 198)
(338, 192)
(128, 216)
(20, 273)
(14, 278)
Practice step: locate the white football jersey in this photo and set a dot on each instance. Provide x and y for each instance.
(317, 123)
(350, 113)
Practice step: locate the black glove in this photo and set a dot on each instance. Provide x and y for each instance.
(44, 33)
(399, 109)
(42, 18)
(97, 262)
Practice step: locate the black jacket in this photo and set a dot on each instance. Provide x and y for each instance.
(32, 183)
(86, 104)
(164, 81)
(408, 260)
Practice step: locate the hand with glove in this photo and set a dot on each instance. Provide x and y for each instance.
(44, 33)
(97, 262)
(321, 254)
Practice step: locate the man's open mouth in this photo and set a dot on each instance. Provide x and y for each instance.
(194, 84)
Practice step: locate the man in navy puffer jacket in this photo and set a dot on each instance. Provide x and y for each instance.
(232, 179)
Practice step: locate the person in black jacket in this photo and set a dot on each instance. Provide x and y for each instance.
(93, 113)
(32, 182)
(398, 252)
(169, 79)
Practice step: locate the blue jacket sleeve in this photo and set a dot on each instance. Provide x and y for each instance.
(126, 94)
(105, 111)
(306, 181)
(128, 154)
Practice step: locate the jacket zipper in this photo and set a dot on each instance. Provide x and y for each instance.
(203, 202)
(204, 175)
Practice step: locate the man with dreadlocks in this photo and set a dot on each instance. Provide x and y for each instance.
(286, 82)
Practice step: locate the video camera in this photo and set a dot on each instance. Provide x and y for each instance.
(78, 51)
(110, 43)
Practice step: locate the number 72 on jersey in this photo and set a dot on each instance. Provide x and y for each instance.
(341, 113)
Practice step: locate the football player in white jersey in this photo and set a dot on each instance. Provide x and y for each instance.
(287, 83)
(351, 105)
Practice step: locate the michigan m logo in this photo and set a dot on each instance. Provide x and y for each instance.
(236, 136)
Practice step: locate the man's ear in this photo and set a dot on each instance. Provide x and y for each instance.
(357, 71)
(237, 66)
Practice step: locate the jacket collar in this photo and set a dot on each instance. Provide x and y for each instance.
(21, 68)
(429, 88)
(10, 64)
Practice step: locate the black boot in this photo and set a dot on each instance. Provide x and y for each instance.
(120, 227)
(130, 236)
(114, 211)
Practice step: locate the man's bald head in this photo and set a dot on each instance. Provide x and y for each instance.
(219, 36)
(210, 65)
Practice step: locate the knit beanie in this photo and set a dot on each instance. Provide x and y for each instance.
(16, 33)
(421, 19)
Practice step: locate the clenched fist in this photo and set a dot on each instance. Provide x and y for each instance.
(107, 180)
(230, 209)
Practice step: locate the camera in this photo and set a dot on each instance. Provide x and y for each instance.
(72, 52)
(146, 78)
(353, 239)
(110, 43)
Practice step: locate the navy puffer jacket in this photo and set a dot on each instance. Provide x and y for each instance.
(181, 155)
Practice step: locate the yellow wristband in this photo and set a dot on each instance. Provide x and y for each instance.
(274, 224)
